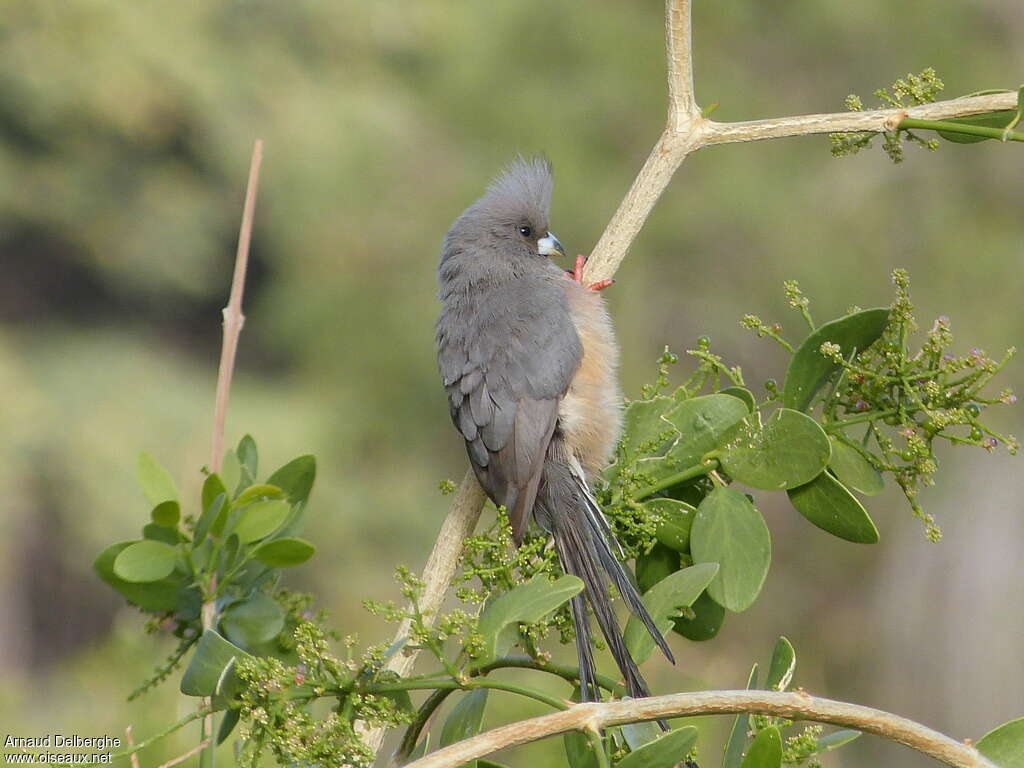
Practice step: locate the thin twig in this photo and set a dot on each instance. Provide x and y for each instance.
(182, 758)
(134, 757)
(233, 322)
(233, 317)
(791, 705)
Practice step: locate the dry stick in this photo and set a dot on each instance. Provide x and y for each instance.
(182, 758)
(134, 757)
(686, 130)
(233, 322)
(792, 705)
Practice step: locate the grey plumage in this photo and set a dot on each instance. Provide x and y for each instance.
(509, 347)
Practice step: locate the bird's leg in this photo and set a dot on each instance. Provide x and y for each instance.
(577, 275)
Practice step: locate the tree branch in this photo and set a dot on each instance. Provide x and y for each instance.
(792, 705)
(686, 130)
(233, 321)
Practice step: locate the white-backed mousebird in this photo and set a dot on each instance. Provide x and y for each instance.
(529, 359)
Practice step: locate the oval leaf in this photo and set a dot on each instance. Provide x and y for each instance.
(765, 751)
(728, 530)
(255, 620)
(159, 596)
(789, 450)
(663, 752)
(702, 424)
(528, 603)
(826, 503)
(260, 519)
(782, 667)
(156, 482)
(465, 718)
(284, 553)
(145, 560)
(296, 478)
(643, 427)
(854, 470)
(743, 394)
(663, 602)
(166, 514)
(708, 617)
(809, 369)
(578, 751)
(213, 517)
(231, 472)
(676, 519)
(655, 565)
(212, 657)
(248, 456)
(1004, 745)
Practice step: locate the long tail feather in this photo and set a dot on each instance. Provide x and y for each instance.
(584, 541)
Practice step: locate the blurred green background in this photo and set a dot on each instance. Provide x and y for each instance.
(125, 132)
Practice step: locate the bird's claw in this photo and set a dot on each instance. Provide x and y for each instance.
(577, 275)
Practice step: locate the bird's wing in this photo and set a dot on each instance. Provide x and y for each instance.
(506, 367)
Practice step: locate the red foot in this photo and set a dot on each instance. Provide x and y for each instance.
(577, 275)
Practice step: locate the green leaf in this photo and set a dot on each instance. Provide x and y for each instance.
(854, 470)
(145, 561)
(248, 456)
(489, 764)
(738, 735)
(743, 394)
(284, 553)
(1000, 119)
(155, 532)
(227, 725)
(158, 596)
(643, 428)
(704, 423)
(780, 671)
(166, 513)
(465, 718)
(214, 513)
(663, 752)
(728, 530)
(255, 620)
(765, 751)
(708, 617)
(213, 486)
(826, 503)
(655, 565)
(663, 602)
(206, 672)
(231, 472)
(809, 369)
(578, 751)
(789, 450)
(527, 603)
(259, 492)
(296, 478)
(676, 520)
(260, 520)
(835, 740)
(638, 734)
(1004, 745)
(156, 482)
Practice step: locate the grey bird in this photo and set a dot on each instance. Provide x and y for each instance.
(529, 359)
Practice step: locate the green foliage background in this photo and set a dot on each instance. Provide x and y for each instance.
(125, 130)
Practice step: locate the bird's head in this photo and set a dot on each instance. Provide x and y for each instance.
(509, 223)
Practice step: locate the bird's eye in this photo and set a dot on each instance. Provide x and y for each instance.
(525, 231)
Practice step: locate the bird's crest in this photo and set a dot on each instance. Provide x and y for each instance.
(523, 187)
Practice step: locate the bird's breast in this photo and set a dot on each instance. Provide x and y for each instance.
(590, 415)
